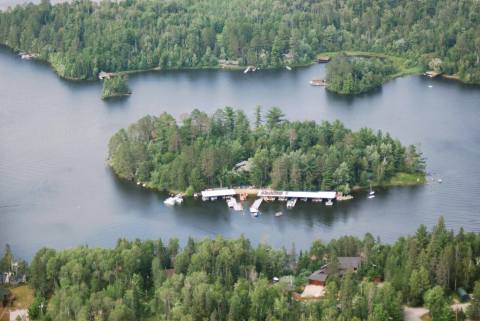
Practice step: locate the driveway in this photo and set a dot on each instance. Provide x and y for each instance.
(413, 314)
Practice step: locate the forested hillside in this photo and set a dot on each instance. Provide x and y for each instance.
(81, 38)
(201, 152)
(232, 280)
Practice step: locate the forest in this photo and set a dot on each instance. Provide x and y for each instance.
(203, 151)
(81, 38)
(357, 75)
(219, 279)
(115, 86)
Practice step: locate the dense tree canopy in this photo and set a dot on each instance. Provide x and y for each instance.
(82, 37)
(357, 75)
(232, 280)
(202, 151)
(115, 86)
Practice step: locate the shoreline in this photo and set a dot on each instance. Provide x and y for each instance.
(399, 180)
(416, 70)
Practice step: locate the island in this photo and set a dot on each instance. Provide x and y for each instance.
(81, 38)
(356, 75)
(349, 278)
(223, 149)
(115, 86)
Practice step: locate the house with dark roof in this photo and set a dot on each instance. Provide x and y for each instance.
(345, 264)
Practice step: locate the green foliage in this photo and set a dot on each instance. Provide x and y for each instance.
(80, 38)
(357, 75)
(230, 279)
(203, 150)
(115, 86)
(436, 302)
(473, 311)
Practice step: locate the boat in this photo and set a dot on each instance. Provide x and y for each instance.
(288, 68)
(231, 202)
(278, 214)
(304, 199)
(249, 69)
(318, 82)
(255, 214)
(371, 196)
(329, 203)
(170, 201)
(178, 199)
(440, 180)
(430, 86)
(372, 192)
(291, 203)
(174, 200)
(317, 200)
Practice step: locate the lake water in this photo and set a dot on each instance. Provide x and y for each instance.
(56, 191)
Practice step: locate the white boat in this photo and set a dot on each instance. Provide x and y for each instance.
(170, 201)
(231, 202)
(440, 180)
(288, 68)
(291, 203)
(371, 193)
(371, 196)
(178, 199)
(278, 214)
(329, 203)
(255, 214)
(430, 86)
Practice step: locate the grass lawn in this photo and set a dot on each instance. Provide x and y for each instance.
(426, 317)
(405, 179)
(23, 299)
(398, 62)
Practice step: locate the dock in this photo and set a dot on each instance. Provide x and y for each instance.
(232, 203)
(256, 205)
(432, 74)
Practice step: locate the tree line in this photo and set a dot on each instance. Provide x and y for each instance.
(202, 151)
(80, 38)
(219, 279)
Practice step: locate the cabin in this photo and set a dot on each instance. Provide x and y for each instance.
(349, 264)
(318, 277)
(19, 314)
(323, 59)
(346, 264)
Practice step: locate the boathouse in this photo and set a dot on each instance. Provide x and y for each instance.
(323, 59)
(330, 195)
(213, 194)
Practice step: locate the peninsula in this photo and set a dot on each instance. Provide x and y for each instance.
(81, 38)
